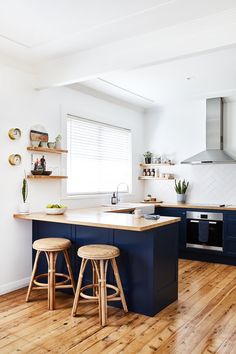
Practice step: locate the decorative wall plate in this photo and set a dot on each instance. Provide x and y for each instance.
(14, 159)
(14, 133)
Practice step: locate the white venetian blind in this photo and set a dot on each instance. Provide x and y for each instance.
(99, 156)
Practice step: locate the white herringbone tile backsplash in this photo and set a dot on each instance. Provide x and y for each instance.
(208, 184)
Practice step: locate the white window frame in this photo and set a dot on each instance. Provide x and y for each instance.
(64, 194)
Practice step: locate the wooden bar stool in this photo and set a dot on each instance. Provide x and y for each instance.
(51, 247)
(99, 255)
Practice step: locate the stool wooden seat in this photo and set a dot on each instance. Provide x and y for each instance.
(51, 247)
(51, 244)
(98, 252)
(99, 256)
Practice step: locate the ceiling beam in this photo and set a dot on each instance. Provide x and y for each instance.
(191, 38)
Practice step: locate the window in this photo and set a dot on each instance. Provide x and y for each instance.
(99, 157)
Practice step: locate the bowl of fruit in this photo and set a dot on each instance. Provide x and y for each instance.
(55, 209)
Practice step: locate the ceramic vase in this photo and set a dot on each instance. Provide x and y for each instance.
(181, 198)
(58, 144)
(23, 208)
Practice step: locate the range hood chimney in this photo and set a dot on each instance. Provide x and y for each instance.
(214, 152)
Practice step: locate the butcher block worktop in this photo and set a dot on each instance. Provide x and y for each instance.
(105, 217)
(196, 206)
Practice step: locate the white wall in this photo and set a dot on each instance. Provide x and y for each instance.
(22, 107)
(178, 131)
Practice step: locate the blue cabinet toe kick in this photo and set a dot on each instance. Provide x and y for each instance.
(148, 261)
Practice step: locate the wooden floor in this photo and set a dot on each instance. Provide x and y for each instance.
(203, 320)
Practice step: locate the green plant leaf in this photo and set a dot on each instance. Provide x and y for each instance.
(181, 186)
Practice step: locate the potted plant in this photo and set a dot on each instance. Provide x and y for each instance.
(58, 141)
(181, 189)
(147, 157)
(24, 206)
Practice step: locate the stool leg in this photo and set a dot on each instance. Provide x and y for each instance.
(77, 293)
(105, 272)
(32, 276)
(69, 269)
(51, 280)
(103, 294)
(118, 281)
(96, 292)
(95, 277)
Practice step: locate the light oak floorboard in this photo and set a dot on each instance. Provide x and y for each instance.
(202, 321)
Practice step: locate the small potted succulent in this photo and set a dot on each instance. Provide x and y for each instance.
(24, 206)
(147, 157)
(58, 141)
(181, 189)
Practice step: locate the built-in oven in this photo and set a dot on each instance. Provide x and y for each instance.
(205, 230)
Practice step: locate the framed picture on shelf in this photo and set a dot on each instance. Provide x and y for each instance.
(40, 166)
(38, 163)
(38, 136)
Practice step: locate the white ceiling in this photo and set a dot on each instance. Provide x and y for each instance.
(32, 30)
(115, 43)
(202, 76)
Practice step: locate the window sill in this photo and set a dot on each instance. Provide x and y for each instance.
(94, 196)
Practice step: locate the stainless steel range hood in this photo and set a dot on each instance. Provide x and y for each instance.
(214, 152)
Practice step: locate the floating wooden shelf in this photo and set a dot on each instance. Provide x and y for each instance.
(155, 164)
(47, 150)
(155, 178)
(46, 177)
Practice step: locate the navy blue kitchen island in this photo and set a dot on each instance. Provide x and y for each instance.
(148, 260)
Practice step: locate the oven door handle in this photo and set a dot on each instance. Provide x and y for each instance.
(197, 221)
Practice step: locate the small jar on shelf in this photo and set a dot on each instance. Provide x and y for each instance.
(153, 172)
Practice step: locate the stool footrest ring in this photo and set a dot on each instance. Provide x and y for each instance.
(45, 275)
(92, 286)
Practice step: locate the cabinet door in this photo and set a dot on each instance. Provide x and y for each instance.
(230, 233)
(86, 235)
(182, 225)
(135, 265)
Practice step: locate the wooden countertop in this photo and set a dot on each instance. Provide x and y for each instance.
(105, 217)
(195, 206)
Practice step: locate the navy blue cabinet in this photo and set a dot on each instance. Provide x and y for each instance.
(148, 261)
(230, 233)
(177, 212)
(228, 256)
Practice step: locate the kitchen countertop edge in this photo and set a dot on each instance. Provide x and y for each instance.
(78, 217)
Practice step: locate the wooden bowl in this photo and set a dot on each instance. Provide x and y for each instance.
(47, 173)
(36, 173)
